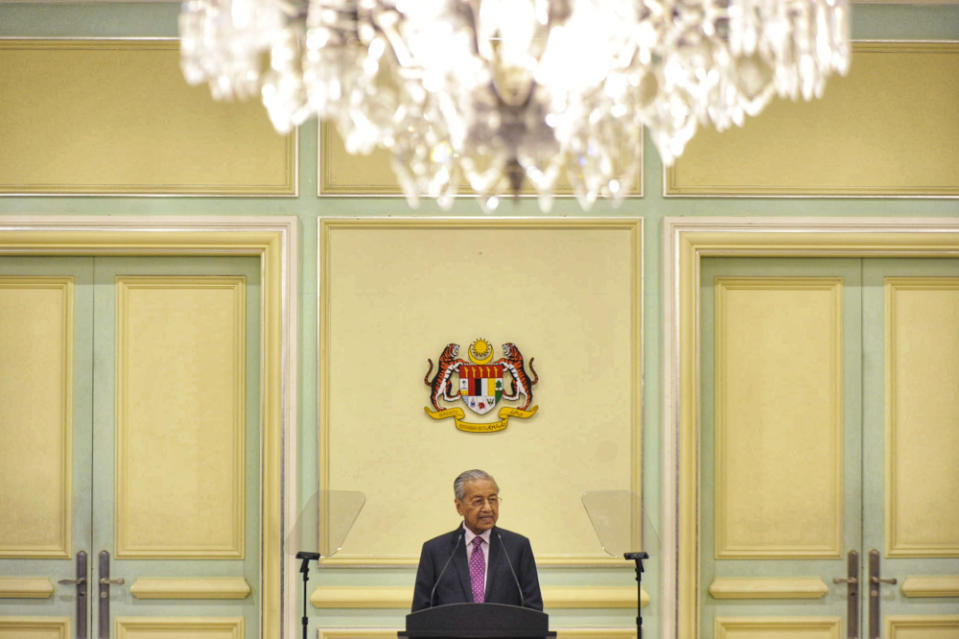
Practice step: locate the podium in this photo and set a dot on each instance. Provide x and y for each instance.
(477, 621)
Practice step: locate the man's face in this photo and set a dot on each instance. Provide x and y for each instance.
(480, 504)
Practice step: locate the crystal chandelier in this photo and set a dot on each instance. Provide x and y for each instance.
(491, 93)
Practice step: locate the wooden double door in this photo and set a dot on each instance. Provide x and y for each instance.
(829, 473)
(129, 447)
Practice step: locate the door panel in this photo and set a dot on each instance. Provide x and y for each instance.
(176, 439)
(780, 354)
(46, 309)
(911, 441)
(165, 460)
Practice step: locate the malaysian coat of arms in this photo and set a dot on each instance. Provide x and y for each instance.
(481, 384)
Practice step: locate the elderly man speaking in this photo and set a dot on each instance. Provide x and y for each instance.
(478, 562)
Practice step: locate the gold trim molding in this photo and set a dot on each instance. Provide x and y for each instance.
(399, 597)
(60, 625)
(729, 488)
(911, 625)
(185, 627)
(274, 241)
(190, 588)
(686, 240)
(931, 586)
(25, 588)
(125, 533)
(768, 626)
(741, 162)
(105, 95)
(768, 588)
(902, 537)
(61, 548)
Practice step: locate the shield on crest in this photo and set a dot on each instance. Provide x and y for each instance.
(481, 386)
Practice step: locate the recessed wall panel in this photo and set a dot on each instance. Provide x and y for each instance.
(36, 373)
(394, 293)
(889, 128)
(180, 416)
(342, 173)
(778, 423)
(922, 410)
(117, 117)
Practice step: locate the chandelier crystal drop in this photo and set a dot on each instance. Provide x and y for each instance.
(489, 94)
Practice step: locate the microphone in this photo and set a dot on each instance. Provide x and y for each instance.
(522, 599)
(445, 566)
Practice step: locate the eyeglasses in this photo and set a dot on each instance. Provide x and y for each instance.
(477, 502)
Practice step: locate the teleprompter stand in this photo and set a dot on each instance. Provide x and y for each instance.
(477, 621)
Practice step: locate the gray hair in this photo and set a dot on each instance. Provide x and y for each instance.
(459, 484)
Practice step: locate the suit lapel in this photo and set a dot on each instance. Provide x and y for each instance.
(462, 568)
(495, 549)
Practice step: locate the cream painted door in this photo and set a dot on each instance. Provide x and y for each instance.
(166, 458)
(795, 475)
(911, 444)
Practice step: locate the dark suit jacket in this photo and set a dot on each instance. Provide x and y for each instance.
(454, 585)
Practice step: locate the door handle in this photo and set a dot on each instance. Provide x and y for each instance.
(852, 594)
(874, 582)
(105, 582)
(118, 582)
(80, 581)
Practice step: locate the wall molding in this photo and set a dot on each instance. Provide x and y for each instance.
(58, 546)
(190, 588)
(105, 94)
(25, 588)
(686, 240)
(736, 494)
(915, 625)
(768, 588)
(25, 626)
(183, 627)
(768, 627)
(342, 269)
(907, 422)
(931, 586)
(399, 597)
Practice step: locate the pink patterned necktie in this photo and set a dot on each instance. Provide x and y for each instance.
(478, 571)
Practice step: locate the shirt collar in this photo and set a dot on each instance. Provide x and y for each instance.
(470, 535)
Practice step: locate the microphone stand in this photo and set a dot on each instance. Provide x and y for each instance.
(305, 569)
(638, 557)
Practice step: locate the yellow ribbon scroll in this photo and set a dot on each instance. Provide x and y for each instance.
(483, 427)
